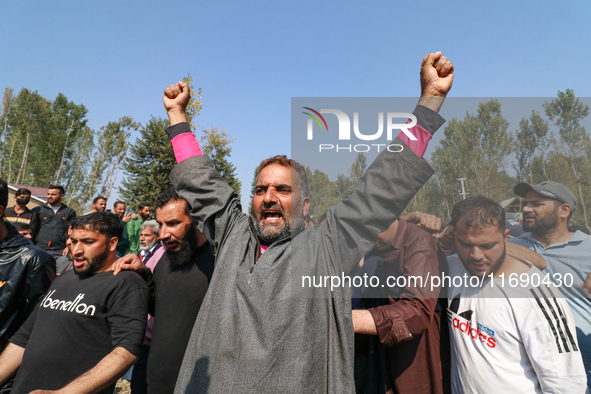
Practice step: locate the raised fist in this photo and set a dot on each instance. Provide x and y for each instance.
(176, 97)
(437, 75)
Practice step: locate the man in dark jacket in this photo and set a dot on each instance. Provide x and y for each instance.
(409, 325)
(20, 213)
(279, 334)
(26, 272)
(53, 222)
(178, 286)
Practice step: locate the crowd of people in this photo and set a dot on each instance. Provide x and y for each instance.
(208, 299)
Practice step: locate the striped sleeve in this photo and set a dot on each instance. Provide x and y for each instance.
(548, 333)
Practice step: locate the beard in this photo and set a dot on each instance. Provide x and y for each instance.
(541, 225)
(271, 232)
(183, 256)
(94, 264)
(148, 246)
(492, 268)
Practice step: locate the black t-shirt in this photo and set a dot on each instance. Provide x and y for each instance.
(179, 293)
(78, 322)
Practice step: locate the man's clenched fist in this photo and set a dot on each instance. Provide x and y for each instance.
(437, 75)
(176, 98)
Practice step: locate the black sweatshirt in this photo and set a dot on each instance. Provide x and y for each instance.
(53, 227)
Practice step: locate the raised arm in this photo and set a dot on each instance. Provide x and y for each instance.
(215, 205)
(393, 179)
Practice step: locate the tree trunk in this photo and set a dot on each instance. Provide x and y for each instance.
(22, 170)
(76, 173)
(111, 179)
(583, 205)
(59, 171)
(10, 160)
(2, 138)
(580, 193)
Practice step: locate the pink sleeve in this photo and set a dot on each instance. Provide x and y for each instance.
(420, 145)
(185, 145)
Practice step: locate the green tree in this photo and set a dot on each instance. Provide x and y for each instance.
(7, 100)
(476, 148)
(566, 112)
(345, 184)
(216, 144)
(82, 149)
(28, 134)
(253, 186)
(44, 130)
(321, 191)
(195, 105)
(111, 149)
(532, 137)
(148, 165)
(67, 122)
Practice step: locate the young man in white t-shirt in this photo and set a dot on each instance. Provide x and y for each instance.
(507, 335)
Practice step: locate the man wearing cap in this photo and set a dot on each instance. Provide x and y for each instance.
(548, 207)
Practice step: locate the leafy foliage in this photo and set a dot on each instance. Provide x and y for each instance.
(195, 105)
(216, 144)
(48, 142)
(150, 160)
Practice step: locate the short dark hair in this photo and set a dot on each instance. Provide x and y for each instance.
(282, 160)
(117, 203)
(105, 223)
(170, 195)
(3, 193)
(21, 226)
(58, 187)
(143, 205)
(22, 192)
(95, 200)
(478, 212)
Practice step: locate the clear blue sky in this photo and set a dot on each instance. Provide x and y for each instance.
(250, 58)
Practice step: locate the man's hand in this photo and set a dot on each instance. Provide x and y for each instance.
(129, 262)
(447, 240)
(429, 222)
(176, 98)
(128, 217)
(527, 254)
(437, 75)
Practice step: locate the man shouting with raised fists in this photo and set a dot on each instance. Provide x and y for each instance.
(259, 330)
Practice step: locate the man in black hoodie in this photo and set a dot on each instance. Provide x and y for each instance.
(53, 222)
(26, 272)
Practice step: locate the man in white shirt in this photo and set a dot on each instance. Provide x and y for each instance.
(507, 335)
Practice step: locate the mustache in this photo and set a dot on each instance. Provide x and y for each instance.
(272, 207)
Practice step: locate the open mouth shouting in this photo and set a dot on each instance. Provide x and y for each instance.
(271, 216)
